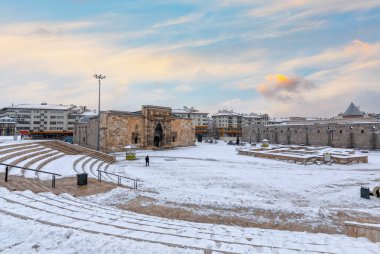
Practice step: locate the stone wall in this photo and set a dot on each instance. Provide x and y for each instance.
(183, 132)
(344, 135)
(370, 231)
(118, 130)
(86, 134)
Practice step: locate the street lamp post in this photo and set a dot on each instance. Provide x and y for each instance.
(15, 130)
(99, 78)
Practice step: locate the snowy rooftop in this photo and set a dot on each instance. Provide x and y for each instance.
(41, 106)
(226, 113)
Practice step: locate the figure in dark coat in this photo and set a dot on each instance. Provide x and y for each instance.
(147, 160)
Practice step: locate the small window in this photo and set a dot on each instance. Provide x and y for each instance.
(340, 131)
(281, 131)
(295, 131)
(319, 131)
(362, 131)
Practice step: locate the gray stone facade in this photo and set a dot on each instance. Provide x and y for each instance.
(337, 134)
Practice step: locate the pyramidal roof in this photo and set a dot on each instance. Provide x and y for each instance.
(352, 110)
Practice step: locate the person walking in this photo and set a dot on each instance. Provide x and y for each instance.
(147, 160)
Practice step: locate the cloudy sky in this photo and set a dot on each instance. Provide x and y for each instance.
(285, 58)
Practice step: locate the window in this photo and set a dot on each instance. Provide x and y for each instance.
(340, 131)
(362, 131)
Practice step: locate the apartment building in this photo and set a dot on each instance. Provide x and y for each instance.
(254, 119)
(227, 123)
(44, 117)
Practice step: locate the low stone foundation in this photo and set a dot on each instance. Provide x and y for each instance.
(370, 231)
(304, 156)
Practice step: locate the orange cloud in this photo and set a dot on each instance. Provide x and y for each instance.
(282, 87)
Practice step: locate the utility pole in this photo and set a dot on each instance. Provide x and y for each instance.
(99, 78)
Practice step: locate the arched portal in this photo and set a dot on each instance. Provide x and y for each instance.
(158, 135)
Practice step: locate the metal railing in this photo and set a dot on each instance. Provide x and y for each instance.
(119, 177)
(8, 166)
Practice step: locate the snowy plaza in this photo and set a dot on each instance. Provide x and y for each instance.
(200, 199)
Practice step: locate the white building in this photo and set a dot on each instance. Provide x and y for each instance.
(227, 123)
(44, 117)
(254, 119)
(198, 118)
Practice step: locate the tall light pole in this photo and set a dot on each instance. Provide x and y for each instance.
(15, 131)
(99, 78)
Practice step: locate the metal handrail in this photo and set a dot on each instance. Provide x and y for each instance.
(7, 166)
(118, 178)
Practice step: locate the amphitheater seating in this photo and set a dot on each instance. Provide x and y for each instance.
(73, 149)
(39, 158)
(15, 145)
(45, 152)
(18, 148)
(28, 156)
(70, 212)
(22, 152)
(45, 162)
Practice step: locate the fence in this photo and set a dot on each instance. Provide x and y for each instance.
(8, 166)
(119, 177)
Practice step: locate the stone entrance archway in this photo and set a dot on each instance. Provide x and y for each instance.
(158, 135)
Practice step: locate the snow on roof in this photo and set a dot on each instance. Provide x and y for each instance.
(256, 116)
(89, 113)
(226, 113)
(40, 106)
(181, 111)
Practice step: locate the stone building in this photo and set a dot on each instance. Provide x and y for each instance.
(151, 127)
(352, 131)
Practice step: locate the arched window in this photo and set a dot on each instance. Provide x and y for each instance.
(362, 131)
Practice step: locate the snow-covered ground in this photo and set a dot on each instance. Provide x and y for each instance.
(215, 175)
(46, 223)
(206, 175)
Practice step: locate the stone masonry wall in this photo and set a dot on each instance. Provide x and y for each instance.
(183, 132)
(118, 131)
(344, 135)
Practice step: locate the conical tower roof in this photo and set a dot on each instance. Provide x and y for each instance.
(352, 110)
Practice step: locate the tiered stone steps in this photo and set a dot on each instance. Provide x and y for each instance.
(14, 146)
(18, 149)
(70, 212)
(73, 149)
(38, 159)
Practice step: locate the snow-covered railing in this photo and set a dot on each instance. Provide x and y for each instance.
(119, 177)
(8, 166)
